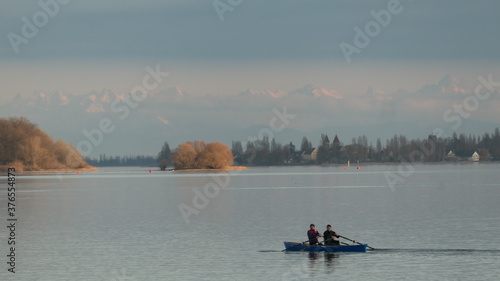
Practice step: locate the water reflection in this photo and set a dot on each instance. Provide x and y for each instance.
(330, 259)
(313, 256)
(313, 263)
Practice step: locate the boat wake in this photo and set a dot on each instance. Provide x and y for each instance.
(442, 251)
(416, 251)
(270, 251)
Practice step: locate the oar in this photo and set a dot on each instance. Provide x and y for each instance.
(355, 242)
(333, 238)
(339, 241)
(297, 245)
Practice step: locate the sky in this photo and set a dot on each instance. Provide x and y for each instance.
(225, 47)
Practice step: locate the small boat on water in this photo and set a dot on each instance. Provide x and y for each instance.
(294, 246)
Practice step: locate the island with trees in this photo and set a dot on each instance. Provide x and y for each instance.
(27, 148)
(201, 155)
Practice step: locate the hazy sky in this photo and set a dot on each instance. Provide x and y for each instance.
(89, 45)
(224, 47)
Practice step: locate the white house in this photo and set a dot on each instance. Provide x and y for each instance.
(310, 154)
(468, 155)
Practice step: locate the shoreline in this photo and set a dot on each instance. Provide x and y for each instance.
(65, 170)
(231, 168)
(380, 163)
(241, 168)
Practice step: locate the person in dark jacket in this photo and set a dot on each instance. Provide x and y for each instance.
(329, 235)
(313, 234)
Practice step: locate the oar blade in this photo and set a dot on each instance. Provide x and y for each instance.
(353, 241)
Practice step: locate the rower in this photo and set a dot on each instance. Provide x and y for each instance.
(313, 234)
(329, 235)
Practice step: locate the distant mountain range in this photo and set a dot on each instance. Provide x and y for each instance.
(176, 116)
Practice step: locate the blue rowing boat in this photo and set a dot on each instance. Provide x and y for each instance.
(294, 246)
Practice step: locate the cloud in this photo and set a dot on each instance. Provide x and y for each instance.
(163, 120)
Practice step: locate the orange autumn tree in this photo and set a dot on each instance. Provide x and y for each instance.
(198, 155)
(184, 156)
(26, 147)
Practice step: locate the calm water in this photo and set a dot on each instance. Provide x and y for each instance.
(441, 223)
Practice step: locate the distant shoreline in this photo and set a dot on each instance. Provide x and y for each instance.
(376, 163)
(65, 170)
(231, 168)
(236, 168)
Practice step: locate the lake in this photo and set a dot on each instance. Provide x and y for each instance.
(437, 222)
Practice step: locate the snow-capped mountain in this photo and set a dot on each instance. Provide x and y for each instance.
(175, 116)
(42, 100)
(266, 93)
(311, 90)
(447, 85)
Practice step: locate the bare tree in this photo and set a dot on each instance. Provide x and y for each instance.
(184, 156)
(31, 148)
(199, 155)
(215, 155)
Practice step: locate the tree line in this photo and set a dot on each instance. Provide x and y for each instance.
(130, 160)
(265, 152)
(26, 147)
(396, 149)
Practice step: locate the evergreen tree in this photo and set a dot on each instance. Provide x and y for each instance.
(165, 156)
(277, 153)
(305, 145)
(237, 150)
(323, 155)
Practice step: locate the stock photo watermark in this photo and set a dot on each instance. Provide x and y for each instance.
(373, 28)
(48, 9)
(459, 111)
(470, 104)
(269, 131)
(12, 219)
(223, 6)
(201, 199)
(138, 94)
